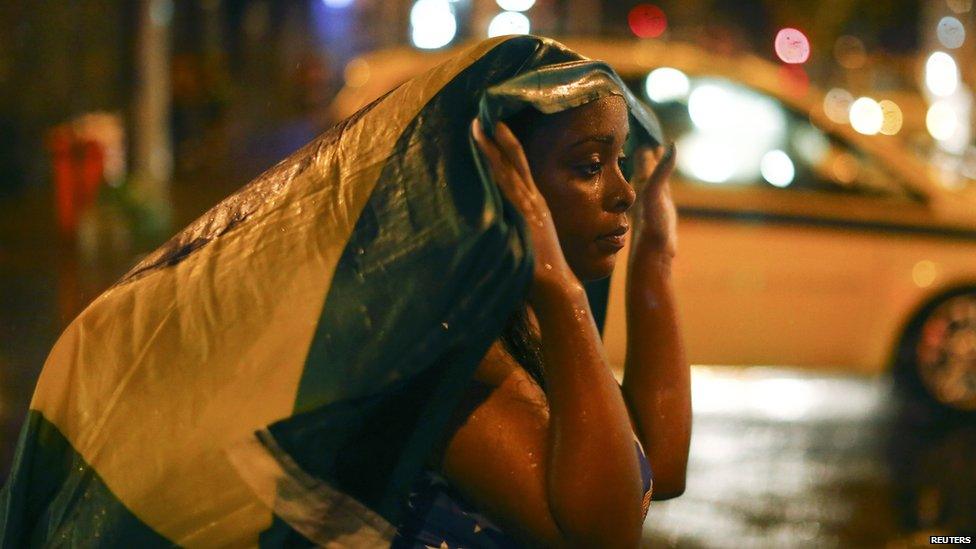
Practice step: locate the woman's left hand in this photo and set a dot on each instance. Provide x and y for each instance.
(654, 217)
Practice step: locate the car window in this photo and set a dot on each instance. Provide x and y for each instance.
(732, 135)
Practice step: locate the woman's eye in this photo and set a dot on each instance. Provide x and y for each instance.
(622, 163)
(591, 169)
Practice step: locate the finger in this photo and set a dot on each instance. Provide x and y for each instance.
(501, 171)
(662, 172)
(514, 152)
(645, 158)
(496, 160)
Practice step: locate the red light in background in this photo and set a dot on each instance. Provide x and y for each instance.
(792, 46)
(647, 21)
(794, 79)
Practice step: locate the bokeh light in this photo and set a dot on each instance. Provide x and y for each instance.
(794, 80)
(666, 84)
(509, 22)
(960, 6)
(733, 128)
(708, 160)
(719, 107)
(941, 120)
(951, 32)
(944, 167)
(866, 116)
(515, 5)
(777, 168)
(811, 144)
(849, 52)
(433, 24)
(924, 273)
(941, 74)
(647, 21)
(845, 168)
(837, 105)
(792, 46)
(892, 117)
(709, 105)
(338, 4)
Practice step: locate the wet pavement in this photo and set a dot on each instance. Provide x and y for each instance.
(780, 458)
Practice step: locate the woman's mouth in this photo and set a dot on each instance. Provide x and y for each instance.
(614, 240)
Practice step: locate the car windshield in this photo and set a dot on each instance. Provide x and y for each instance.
(731, 135)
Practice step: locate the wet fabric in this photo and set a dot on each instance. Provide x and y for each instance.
(278, 372)
(438, 516)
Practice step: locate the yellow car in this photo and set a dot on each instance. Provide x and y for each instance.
(801, 241)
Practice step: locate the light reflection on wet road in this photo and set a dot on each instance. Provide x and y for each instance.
(782, 458)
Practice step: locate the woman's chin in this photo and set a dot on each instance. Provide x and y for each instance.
(595, 269)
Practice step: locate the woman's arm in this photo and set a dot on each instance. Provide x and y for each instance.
(656, 382)
(568, 477)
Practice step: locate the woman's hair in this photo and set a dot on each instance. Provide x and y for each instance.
(518, 337)
(524, 344)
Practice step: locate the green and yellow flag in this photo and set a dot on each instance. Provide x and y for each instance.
(279, 371)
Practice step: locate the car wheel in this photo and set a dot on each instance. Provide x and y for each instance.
(938, 355)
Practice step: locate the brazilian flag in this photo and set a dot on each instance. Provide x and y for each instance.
(278, 372)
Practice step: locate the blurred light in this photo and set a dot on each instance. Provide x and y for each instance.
(849, 52)
(433, 24)
(357, 73)
(951, 32)
(711, 161)
(780, 395)
(515, 5)
(338, 4)
(647, 21)
(892, 117)
(960, 6)
(794, 79)
(717, 106)
(837, 105)
(944, 167)
(733, 128)
(845, 168)
(950, 118)
(866, 116)
(792, 46)
(508, 22)
(810, 144)
(923, 273)
(777, 168)
(941, 120)
(968, 168)
(941, 74)
(785, 399)
(666, 84)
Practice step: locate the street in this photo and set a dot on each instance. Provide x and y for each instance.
(781, 458)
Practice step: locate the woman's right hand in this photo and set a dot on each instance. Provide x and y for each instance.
(510, 171)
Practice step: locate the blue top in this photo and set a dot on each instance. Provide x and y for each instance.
(437, 516)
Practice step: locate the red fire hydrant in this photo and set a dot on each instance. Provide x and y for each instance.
(85, 153)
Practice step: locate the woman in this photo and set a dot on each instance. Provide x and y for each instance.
(278, 373)
(545, 454)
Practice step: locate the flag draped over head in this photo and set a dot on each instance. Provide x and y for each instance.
(281, 369)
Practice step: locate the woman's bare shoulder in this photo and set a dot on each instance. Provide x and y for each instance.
(497, 367)
(495, 450)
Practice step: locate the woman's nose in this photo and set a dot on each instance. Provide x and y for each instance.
(620, 194)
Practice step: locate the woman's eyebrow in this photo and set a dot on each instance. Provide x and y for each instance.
(608, 138)
(604, 138)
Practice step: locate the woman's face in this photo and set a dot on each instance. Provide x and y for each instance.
(575, 157)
